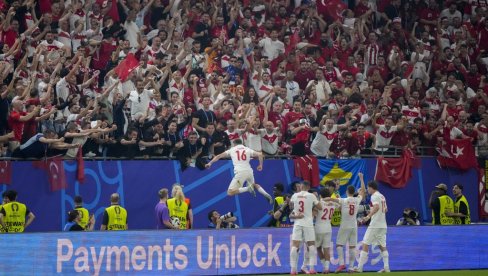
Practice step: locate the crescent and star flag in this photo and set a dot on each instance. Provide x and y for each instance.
(54, 168)
(126, 66)
(396, 172)
(457, 154)
(345, 170)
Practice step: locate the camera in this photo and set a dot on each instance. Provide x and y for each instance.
(226, 216)
(411, 214)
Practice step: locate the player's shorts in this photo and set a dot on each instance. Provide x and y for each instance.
(323, 239)
(240, 178)
(375, 236)
(347, 235)
(302, 233)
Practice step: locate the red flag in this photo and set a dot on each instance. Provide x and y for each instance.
(396, 171)
(5, 172)
(307, 168)
(55, 173)
(126, 66)
(331, 8)
(54, 168)
(457, 154)
(80, 170)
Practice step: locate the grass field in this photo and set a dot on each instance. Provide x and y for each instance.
(419, 273)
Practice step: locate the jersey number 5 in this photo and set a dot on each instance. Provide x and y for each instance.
(241, 155)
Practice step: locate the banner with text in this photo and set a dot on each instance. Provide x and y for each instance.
(219, 252)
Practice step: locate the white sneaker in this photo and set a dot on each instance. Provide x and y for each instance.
(356, 269)
(251, 190)
(90, 154)
(384, 270)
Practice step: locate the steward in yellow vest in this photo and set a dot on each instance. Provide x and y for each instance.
(115, 216)
(13, 214)
(178, 211)
(86, 221)
(461, 214)
(441, 205)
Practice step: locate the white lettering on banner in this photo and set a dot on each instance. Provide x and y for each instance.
(226, 253)
(240, 261)
(81, 259)
(63, 257)
(118, 251)
(138, 254)
(180, 255)
(168, 248)
(201, 263)
(219, 248)
(115, 258)
(262, 261)
(151, 250)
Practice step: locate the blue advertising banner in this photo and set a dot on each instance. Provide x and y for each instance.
(223, 252)
(138, 183)
(345, 171)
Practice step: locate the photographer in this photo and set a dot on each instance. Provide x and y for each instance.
(218, 221)
(410, 217)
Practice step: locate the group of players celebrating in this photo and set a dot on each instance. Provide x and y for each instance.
(306, 206)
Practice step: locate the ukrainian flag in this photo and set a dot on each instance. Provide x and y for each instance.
(345, 170)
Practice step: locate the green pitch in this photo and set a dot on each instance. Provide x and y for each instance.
(418, 273)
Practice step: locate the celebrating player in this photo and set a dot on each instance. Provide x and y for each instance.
(348, 231)
(323, 229)
(302, 204)
(241, 156)
(376, 232)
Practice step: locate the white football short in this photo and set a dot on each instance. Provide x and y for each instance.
(375, 236)
(323, 239)
(240, 178)
(302, 233)
(347, 235)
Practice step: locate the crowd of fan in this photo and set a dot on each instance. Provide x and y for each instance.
(282, 76)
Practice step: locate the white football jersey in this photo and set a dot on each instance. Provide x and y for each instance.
(378, 220)
(322, 220)
(303, 202)
(241, 156)
(349, 211)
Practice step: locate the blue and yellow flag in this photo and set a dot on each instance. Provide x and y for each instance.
(344, 170)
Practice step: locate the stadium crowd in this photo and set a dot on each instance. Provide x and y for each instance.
(183, 78)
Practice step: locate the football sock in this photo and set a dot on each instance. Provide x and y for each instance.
(263, 192)
(363, 258)
(312, 256)
(326, 265)
(352, 257)
(385, 256)
(293, 258)
(340, 254)
(306, 257)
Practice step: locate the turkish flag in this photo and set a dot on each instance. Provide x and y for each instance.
(80, 170)
(457, 154)
(307, 168)
(54, 168)
(331, 8)
(5, 172)
(126, 66)
(396, 171)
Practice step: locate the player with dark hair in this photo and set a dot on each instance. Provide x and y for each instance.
(241, 157)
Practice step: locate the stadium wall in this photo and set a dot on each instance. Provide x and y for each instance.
(138, 182)
(225, 252)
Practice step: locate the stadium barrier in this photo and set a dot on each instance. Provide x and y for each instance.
(226, 252)
(138, 183)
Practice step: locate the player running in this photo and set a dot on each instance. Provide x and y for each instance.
(302, 204)
(376, 232)
(348, 231)
(241, 156)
